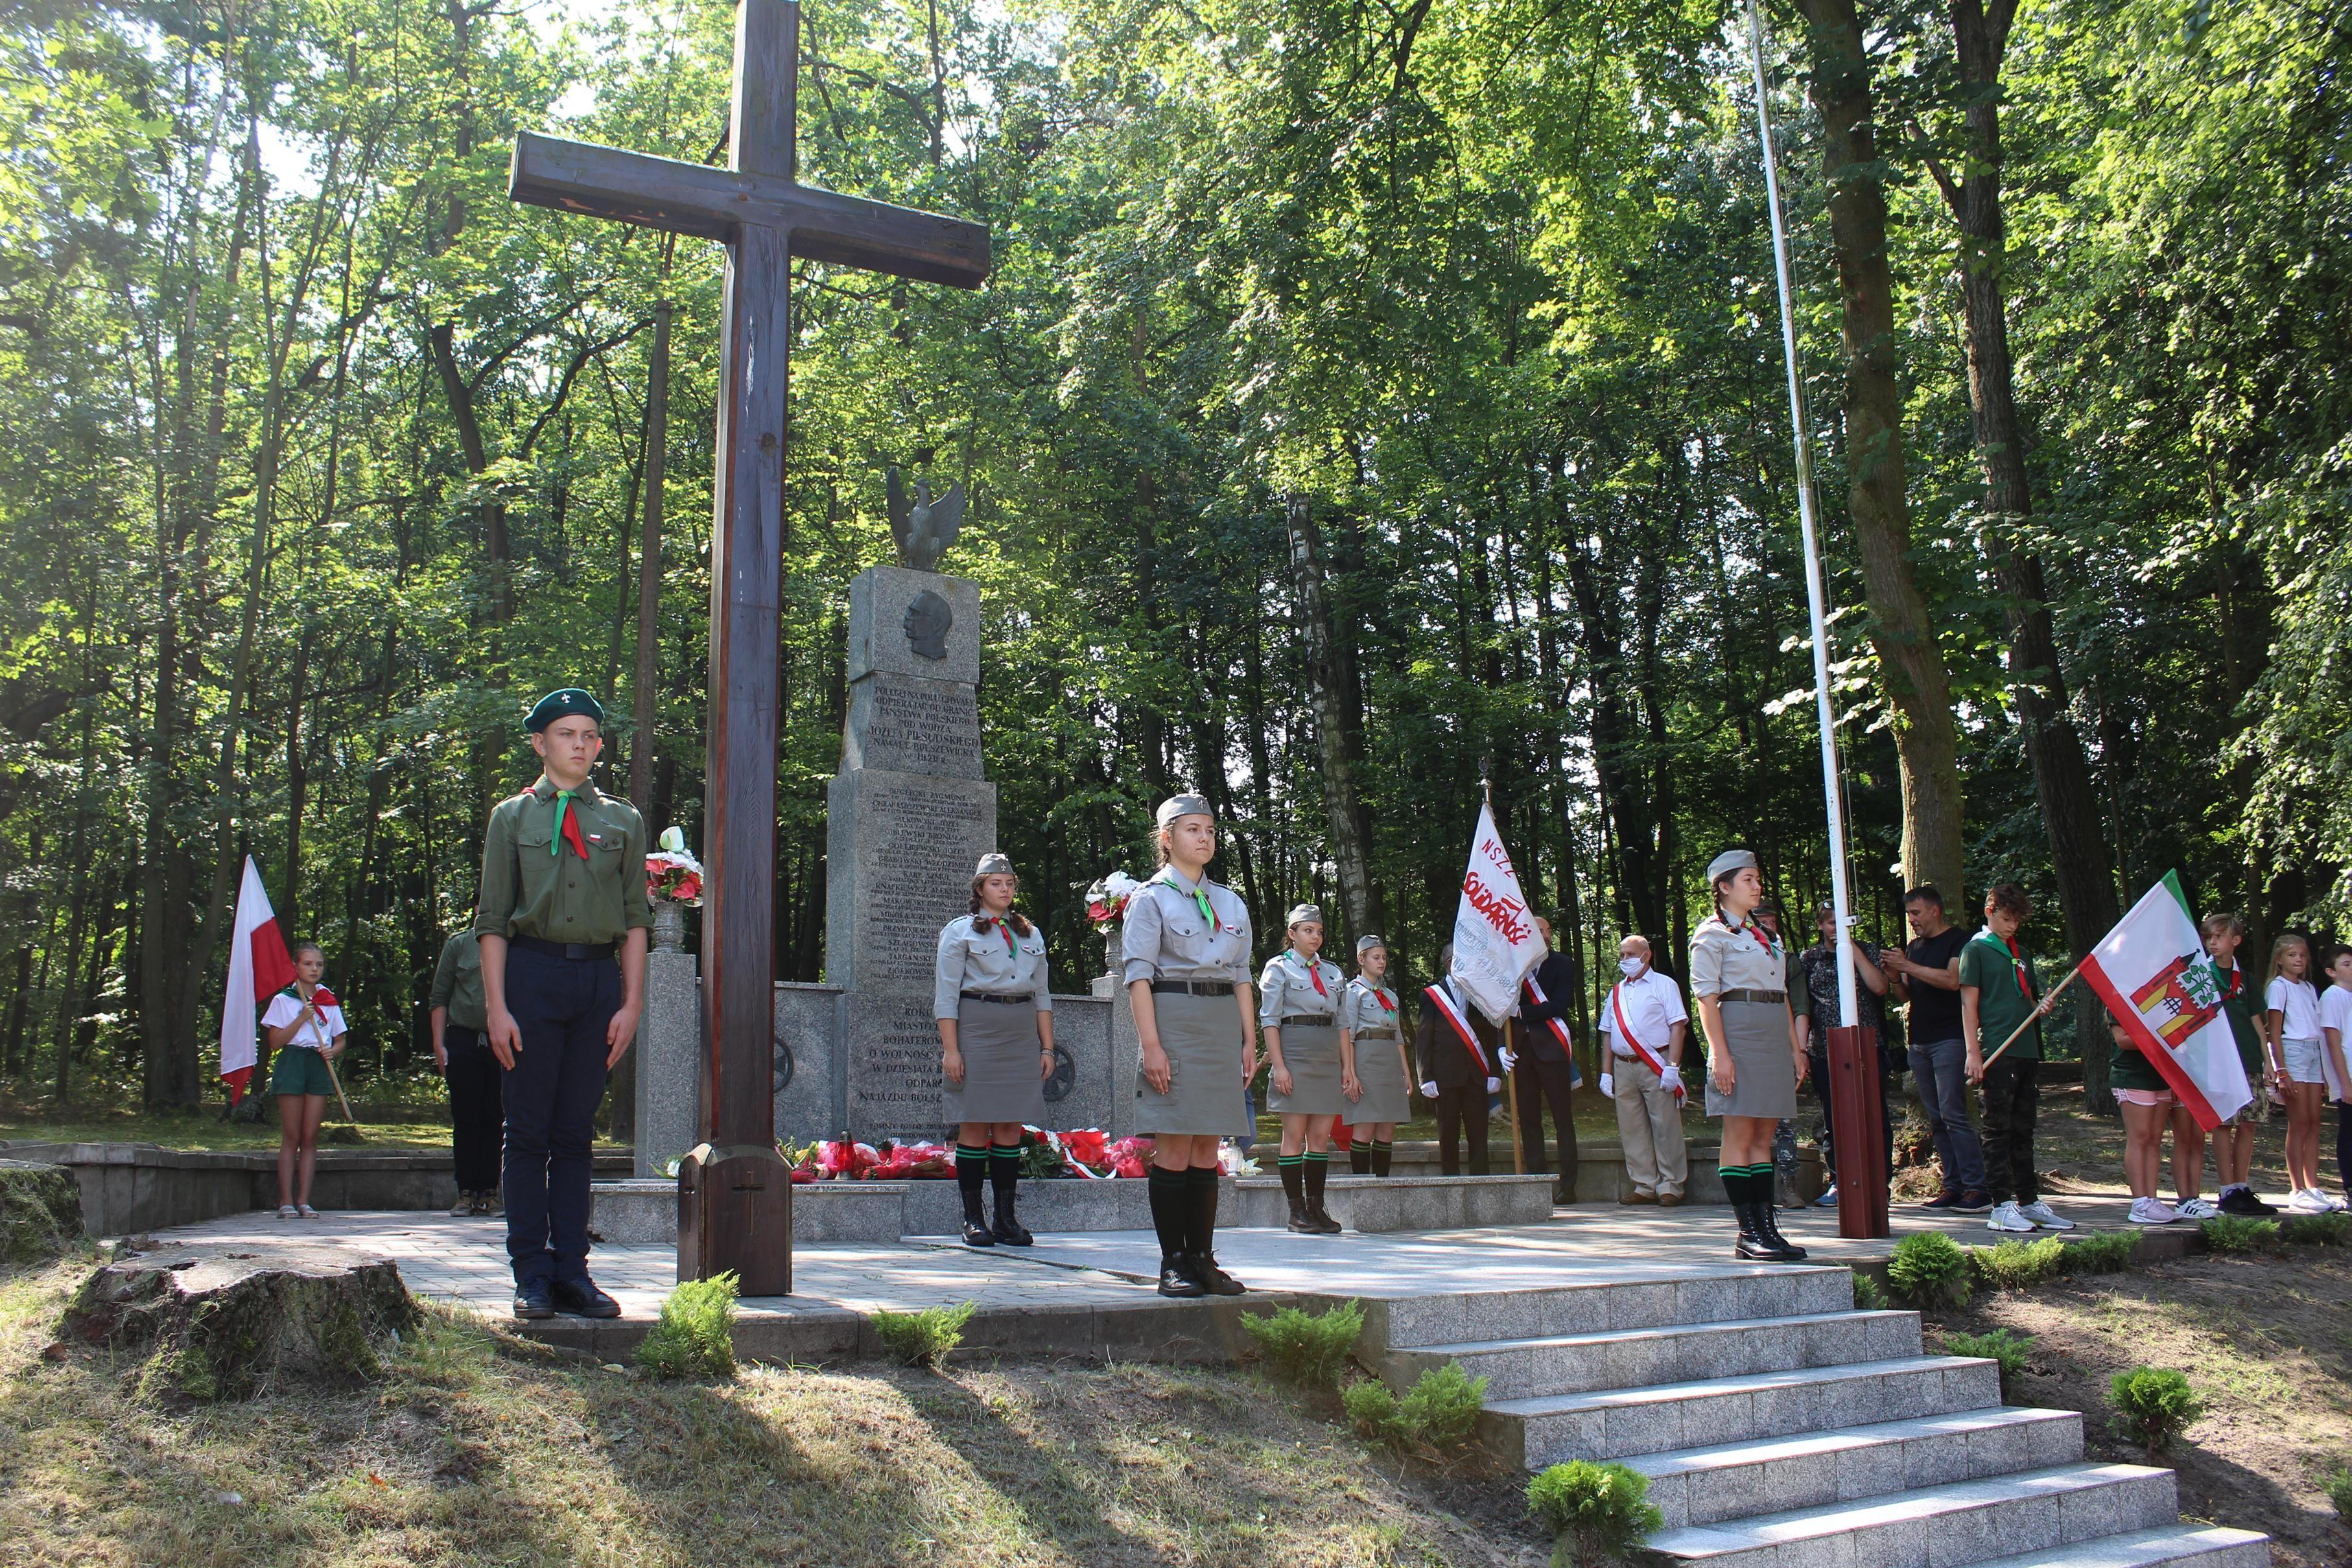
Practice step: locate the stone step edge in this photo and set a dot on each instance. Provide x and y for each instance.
(1704, 1542)
(1677, 1331)
(2142, 1548)
(1714, 1387)
(1840, 1439)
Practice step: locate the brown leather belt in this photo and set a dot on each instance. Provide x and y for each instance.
(1023, 1000)
(1195, 988)
(1769, 999)
(1309, 1020)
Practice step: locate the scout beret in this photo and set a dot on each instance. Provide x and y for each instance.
(1302, 914)
(1177, 806)
(1729, 860)
(1369, 941)
(992, 864)
(563, 704)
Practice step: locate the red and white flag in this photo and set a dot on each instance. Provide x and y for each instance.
(1495, 945)
(2153, 973)
(258, 968)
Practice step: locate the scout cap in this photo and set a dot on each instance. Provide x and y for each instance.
(1367, 942)
(992, 864)
(563, 704)
(1300, 915)
(1177, 806)
(1726, 863)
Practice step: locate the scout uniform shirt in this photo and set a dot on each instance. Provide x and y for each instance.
(981, 953)
(530, 889)
(1169, 936)
(1994, 968)
(1292, 988)
(1369, 1013)
(2238, 1002)
(458, 981)
(1725, 957)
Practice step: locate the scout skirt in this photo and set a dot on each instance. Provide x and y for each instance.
(1763, 1073)
(1003, 1065)
(1203, 1038)
(1311, 1052)
(1380, 1069)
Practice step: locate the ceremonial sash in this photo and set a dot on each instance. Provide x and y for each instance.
(1625, 1032)
(1558, 1029)
(1461, 1027)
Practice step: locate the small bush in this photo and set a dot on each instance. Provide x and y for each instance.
(2109, 1252)
(695, 1337)
(2153, 1405)
(1437, 1414)
(1599, 1513)
(2013, 1265)
(1869, 1295)
(1929, 1270)
(924, 1338)
(2316, 1229)
(2239, 1233)
(1371, 1409)
(1307, 1348)
(2337, 1484)
(2003, 1345)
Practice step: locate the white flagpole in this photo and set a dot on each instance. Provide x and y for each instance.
(1849, 1003)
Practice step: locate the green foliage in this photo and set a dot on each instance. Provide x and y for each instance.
(1437, 1417)
(2102, 1252)
(695, 1334)
(1929, 1270)
(2337, 1484)
(2153, 1407)
(2316, 1229)
(2014, 1265)
(1310, 1349)
(1601, 1512)
(924, 1338)
(2240, 1233)
(40, 1211)
(2005, 1346)
(1869, 1295)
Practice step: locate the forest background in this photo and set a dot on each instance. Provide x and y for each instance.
(1370, 397)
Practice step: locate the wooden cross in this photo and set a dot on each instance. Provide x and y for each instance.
(766, 217)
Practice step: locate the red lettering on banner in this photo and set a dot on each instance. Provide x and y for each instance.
(1490, 849)
(1502, 913)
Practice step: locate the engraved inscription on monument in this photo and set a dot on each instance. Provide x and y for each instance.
(894, 1070)
(907, 725)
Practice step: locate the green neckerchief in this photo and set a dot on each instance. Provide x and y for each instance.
(1200, 895)
(1989, 936)
(555, 838)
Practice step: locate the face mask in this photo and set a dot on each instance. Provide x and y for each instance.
(1632, 966)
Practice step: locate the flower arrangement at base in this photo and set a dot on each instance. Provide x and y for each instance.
(672, 874)
(1106, 899)
(1084, 1152)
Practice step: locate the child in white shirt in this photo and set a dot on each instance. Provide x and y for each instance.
(2334, 1046)
(305, 1027)
(2292, 1014)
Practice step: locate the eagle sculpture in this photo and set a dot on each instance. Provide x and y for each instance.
(924, 530)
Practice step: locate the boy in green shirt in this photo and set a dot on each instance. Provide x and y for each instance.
(2233, 1141)
(1998, 999)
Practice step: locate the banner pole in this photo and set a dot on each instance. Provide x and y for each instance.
(2040, 1009)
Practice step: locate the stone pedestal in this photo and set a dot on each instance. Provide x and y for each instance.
(669, 1061)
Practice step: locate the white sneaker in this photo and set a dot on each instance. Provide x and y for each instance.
(2151, 1211)
(2194, 1209)
(2310, 1200)
(2045, 1217)
(2007, 1215)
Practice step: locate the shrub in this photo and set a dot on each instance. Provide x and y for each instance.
(924, 1338)
(2003, 1345)
(2109, 1252)
(2239, 1233)
(2317, 1229)
(695, 1337)
(2153, 1405)
(2337, 1484)
(1929, 1270)
(1371, 1409)
(1437, 1414)
(1307, 1348)
(1869, 1295)
(2013, 1265)
(1599, 1513)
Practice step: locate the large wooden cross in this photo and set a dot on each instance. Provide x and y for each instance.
(735, 1198)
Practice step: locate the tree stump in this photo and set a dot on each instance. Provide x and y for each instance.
(235, 1325)
(40, 1210)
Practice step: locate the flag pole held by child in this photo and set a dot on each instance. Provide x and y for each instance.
(2034, 1017)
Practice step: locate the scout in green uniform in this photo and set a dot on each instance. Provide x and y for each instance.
(463, 1054)
(1998, 999)
(2233, 1142)
(563, 892)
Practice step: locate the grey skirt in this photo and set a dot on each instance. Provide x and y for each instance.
(1380, 1069)
(1203, 1038)
(1003, 1065)
(1764, 1073)
(1311, 1052)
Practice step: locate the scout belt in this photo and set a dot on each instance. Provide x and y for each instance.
(1195, 987)
(1376, 1034)
(562, 949)
(1025, 997)
(1768, 998)
(1308, 1020)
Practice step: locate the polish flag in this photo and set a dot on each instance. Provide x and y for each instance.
(258, 968)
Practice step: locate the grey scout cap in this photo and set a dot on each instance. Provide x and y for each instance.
(1731, 860)
(993, 864)
(1177, 806)
(1367, 942)
(1301, 914)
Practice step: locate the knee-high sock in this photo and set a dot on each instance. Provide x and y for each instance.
(1293, 1177)
(971, 1174)
(1201, 1211)
(1004, 1169)
(1170, 1191)
(1382, 1151)
(1360, 1157)
(1318, 1172)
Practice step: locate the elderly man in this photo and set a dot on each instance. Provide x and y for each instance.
(1645, 1023)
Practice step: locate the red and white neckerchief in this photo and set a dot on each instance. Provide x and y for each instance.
(1452, 1013)
(1756, 928)
(1381, 996)
(1314, 973)
(980, 924)
(1535, 993)
(2237, 981)
(1625, 1032)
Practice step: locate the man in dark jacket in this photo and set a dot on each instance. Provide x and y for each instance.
(1544, 1073)
(1457, 1072)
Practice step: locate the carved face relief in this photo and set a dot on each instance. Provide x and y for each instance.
(928, 620)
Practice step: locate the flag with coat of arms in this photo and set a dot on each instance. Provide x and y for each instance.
(2153, 972)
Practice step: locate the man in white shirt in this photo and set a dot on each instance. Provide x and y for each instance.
(1644, 1024)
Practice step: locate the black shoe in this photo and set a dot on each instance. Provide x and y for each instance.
(2241, 1200)
(1768, 1227)
(581, 1299)
(1324, 1223)
(1175, 1279)
(1976, 1200)
(1303, 1222)
(1205, 1273)
(976, 1234)
(1011, 1231)
(1947, 1198)
(534, 1299)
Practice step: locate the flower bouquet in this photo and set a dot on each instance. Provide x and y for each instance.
(1106, 899)
(1129, 1157)
(672, 874)
(913, 1162)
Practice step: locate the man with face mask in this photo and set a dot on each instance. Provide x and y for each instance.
(1643, 1023)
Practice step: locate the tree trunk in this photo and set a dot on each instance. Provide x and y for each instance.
(1918, 686)
(649, 570)
(1331, 689)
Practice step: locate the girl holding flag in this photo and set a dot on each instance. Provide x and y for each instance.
(1374, 1074)
(990, 1000)
(305, 1028)
(1755, 1050)
(1298, 1014)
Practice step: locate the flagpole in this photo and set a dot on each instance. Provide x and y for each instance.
(2040, 1009)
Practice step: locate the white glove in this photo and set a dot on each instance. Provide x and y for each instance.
(1510, 1060)
(1494, 1085)
(1671, 1076)
(1429, 1091)
(1609, 1086)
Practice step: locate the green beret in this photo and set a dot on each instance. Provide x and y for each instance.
(563, 704)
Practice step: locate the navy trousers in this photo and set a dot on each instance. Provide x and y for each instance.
(561, 1007)
(476, 1085)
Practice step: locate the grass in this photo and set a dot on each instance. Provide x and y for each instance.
(481, 1449)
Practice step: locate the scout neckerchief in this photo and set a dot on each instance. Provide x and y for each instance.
(2237, 982)
(982, 924)
(1754, 929)
(2024, 981)
(1625, 1032)
(1452, 1013)
(1198, 895)
(567, 826)
(1379, 995)
(322, 998)
(1314, 972)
